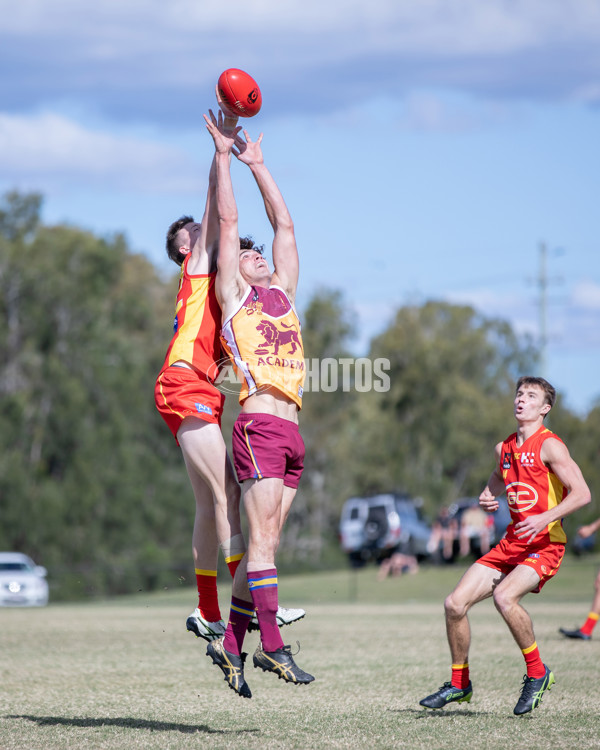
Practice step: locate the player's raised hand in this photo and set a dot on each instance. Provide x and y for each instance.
(229, 120)
(248, 151)
(223, 137)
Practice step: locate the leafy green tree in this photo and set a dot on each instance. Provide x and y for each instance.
(20, 215)
(88, 482)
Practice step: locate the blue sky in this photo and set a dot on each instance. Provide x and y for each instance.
(426, 149)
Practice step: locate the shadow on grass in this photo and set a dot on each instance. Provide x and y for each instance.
(125, 723)
(425, 713)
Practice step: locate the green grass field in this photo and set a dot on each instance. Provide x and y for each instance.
(125, 673)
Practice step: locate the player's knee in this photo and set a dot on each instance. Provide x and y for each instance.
(263, 541)
(454, 606)
(502, 601)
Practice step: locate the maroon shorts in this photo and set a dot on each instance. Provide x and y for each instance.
(267, 446)
(181, 393)
(506, 555)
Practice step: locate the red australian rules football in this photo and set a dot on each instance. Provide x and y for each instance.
(239, 93)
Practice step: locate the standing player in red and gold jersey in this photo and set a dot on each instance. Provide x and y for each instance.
(543, 485)
(261, 332)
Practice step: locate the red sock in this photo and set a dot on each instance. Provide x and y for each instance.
(233, 562)
(590, 623)
(263, 587)
(535, 665)
(239, 617)
(460, 675)
(208, 602)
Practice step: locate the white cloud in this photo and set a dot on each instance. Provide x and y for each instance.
(427, 111)
(586, 295)
(52, 147)
(147, 61)
(433, 26)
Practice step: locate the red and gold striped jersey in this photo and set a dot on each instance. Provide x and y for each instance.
(263, 340)
(197, 323)
(531, 487)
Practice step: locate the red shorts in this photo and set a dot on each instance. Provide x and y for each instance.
(506, 555)
(267, 446)
(181, 393)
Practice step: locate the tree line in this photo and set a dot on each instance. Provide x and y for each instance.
(92, 484)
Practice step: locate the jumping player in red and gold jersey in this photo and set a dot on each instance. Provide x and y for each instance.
(191, 406)
(543, 485)
(262, 332)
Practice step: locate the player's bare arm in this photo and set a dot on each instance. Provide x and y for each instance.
(210, 220)
(285, 252)
(207, 241)
(591, 528)
(230, 284)
(556, 456)
(204, 238)
(494, 486)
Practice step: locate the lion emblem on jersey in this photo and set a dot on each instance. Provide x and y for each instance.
(275, 337)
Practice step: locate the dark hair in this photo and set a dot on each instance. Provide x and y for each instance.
(172, 244)
(549, 391)
(247, 243)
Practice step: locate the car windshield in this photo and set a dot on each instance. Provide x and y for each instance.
(408, 509)
(14, 566)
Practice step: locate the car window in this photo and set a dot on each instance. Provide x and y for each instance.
(407, 510)
(14, 566)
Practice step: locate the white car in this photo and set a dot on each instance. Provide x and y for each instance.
(22, 582)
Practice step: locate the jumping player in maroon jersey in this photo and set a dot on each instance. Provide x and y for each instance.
(543, 485)
(261, 331)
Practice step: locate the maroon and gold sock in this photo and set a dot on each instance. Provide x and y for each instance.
(590, 623)
(460, 675)
(533, 660)
(263, 588)
(208, 602)
(239, 617)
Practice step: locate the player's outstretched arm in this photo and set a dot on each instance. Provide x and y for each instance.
(285, 252)
(210, 220)
(209, 229)
(228, 284)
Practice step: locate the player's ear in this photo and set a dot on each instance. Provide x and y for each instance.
(545, 409)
